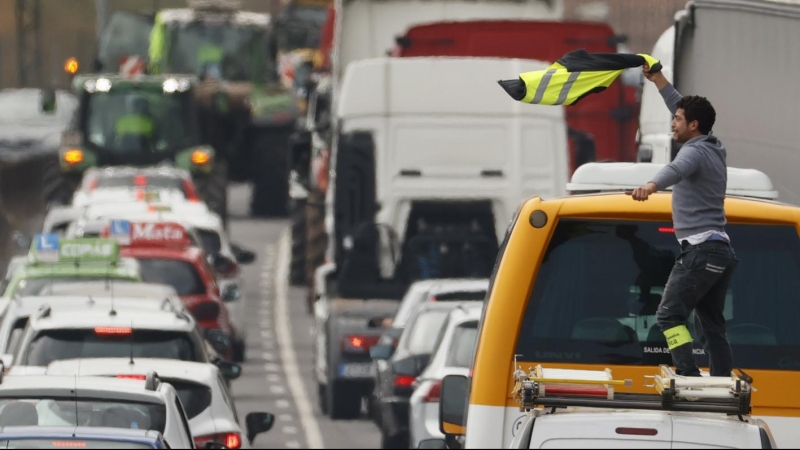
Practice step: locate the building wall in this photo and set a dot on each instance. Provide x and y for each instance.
(642, 21)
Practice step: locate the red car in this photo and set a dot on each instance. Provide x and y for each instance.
(167, 255)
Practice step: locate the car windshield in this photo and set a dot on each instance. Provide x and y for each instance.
(181, 275)
(596, 293)
(195, 397)
(140, 121)
(40, 286)
(103, 342)
(230, 52)
(93, 413)
(71, 442)
(462, 347)
(422, 333)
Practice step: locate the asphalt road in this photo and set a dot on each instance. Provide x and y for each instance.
(278, 374)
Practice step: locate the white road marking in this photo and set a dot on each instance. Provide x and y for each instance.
(272, 367)
(288, 429)
(274, 378)
(277, 389)
(268, 356)
(286, 418)
(293, 444)
(293, 375)
(282, 403)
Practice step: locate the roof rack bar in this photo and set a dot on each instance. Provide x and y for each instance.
(643, 405)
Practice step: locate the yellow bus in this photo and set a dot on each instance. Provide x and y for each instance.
(579, 279)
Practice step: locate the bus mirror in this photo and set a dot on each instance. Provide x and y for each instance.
(453, 405)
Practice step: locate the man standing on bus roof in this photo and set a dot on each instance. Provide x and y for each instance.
(701, 275)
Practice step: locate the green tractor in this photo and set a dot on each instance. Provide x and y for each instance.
(145, 120)
(246, 114)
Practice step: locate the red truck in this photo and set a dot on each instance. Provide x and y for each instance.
(601, 127)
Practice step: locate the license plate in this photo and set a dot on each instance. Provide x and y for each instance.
(356, 370)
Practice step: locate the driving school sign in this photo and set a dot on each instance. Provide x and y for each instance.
(88, 250)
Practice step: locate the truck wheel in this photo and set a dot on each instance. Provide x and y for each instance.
(57, 187)
(213, 189)
(297, 266)
(271, 179)
(342, 403)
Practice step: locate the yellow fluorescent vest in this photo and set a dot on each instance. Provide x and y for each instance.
(573, 77)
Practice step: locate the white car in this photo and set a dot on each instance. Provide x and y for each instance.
(53, 335)
(207, 232)
(458, 289)
(19, 310)
(455, 350)
(68, 401)
(205, 396)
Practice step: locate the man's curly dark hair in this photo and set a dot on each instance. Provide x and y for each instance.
(699, 109)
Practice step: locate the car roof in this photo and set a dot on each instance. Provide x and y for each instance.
(29, 305)
(89, 433)
(188, 254)
(468, 285)
(120, 171)
(119, 289)
(124, 318)
(126, 268)
(165, 368)
(38, 386)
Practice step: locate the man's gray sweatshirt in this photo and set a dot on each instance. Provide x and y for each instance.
(699, 174)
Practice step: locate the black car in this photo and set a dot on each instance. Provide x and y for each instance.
(398, 369)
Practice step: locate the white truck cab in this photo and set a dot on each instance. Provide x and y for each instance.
(455, 139)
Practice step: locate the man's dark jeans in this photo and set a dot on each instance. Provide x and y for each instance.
(698, 281)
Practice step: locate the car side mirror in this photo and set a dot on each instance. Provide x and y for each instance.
(432, 444)
(453, 404)
(381, 352)
(229, 371)
(257, 423)
(223, 264)
(245, 257)
(231, 293)
(48, 101)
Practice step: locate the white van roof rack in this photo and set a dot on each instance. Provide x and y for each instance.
(615, 177)
(560, 388)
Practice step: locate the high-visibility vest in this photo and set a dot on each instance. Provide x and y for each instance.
(574, 76)
(135, 124)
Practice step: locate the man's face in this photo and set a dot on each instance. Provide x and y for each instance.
(681, 131)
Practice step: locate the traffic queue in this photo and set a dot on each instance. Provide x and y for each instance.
(123, 323)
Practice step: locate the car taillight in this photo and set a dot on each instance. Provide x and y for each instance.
(131, 377)
(69, 444)
(358, 343)
(92, 184)
(229, 440)
(404, 381)
(189, 191)
(140, 180)
(113, 331)
(434, 393)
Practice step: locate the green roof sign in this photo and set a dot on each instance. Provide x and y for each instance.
(51, 248)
